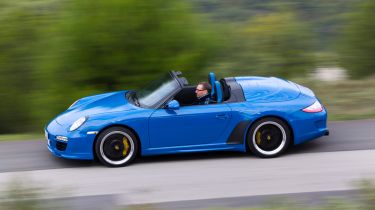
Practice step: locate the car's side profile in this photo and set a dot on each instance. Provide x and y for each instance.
(263, 115)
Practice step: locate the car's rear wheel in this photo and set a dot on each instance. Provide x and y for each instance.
(269, 137)
(116, 146)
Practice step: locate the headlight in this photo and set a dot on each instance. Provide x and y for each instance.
(78, 123)
(73, 104)
(315, 107)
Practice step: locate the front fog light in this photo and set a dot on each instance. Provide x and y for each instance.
(62, 138)
(78, 123)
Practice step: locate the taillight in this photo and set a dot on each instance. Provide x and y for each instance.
(315, 107)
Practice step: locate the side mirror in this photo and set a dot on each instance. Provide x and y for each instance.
(173, 105)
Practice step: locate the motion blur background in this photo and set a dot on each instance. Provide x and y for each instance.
(53, 52)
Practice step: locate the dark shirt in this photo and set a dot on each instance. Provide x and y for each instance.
(203, 100)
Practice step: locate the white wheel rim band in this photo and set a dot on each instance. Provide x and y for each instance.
(279, 148)
(119, 162)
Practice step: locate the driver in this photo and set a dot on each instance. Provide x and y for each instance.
(202, 92)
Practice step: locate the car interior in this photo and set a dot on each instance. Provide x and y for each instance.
(220, 91)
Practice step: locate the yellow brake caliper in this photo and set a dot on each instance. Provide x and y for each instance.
(126, 146)
(258, 139)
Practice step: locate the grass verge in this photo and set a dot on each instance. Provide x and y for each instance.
(18, 137)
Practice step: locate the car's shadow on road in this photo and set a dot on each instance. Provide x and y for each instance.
(69, 163)
(308, 147)
(316, 145)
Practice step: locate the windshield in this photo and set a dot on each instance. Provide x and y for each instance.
(157, 90)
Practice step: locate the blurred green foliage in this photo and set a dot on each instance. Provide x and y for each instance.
(358, 44)
(54, 52)
(18, 48)
(272, 44)
(98, 46)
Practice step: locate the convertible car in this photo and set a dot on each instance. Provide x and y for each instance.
(261, 115)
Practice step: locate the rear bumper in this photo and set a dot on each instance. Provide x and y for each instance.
(310, 126)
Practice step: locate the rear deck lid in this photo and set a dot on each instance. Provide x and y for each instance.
(267, 89)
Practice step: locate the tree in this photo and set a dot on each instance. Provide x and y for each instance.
(357, 46)
(18, 43)
(274, 44)
(94, 46)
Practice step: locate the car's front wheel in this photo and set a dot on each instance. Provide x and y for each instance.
(116, 146)
(269, 137)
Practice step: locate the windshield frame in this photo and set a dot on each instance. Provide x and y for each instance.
(162, 101)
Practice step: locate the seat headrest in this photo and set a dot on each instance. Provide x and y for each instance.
(211, 80)
(219, 92)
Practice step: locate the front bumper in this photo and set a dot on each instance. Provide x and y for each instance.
(71, 145)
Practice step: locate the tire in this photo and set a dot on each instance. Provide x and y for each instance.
(116, 146)
(268, 137)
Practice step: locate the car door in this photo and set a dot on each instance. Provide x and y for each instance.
(189, 125)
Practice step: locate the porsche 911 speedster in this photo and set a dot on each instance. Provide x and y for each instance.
(261, 115)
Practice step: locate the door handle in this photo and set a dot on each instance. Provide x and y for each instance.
(222, 116)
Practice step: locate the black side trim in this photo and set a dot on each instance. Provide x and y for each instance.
(238, 134)
(236, 92)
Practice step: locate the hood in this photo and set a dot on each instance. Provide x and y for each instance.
(92, 105)
(267, 89)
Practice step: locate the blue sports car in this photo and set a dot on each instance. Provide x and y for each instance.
(263, 115)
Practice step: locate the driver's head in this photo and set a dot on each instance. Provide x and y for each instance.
(203, 88)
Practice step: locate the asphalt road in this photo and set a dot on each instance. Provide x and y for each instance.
(329, 164)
